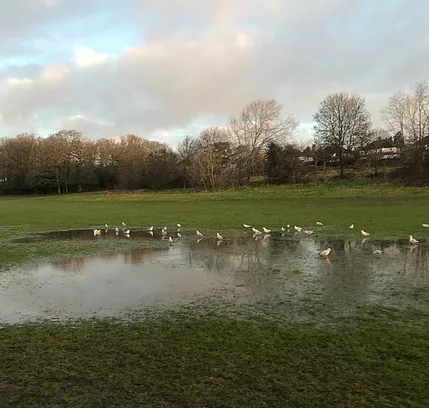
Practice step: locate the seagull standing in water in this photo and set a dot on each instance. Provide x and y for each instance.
(326, 252)
(364, 233)
(413, 241)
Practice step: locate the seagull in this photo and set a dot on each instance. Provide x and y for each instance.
(378, 252)
(179, 225)
(106, 226)
(299, 229)
(218, 236)
(282, 229)
(97, 232)
(247, 226)
(256, 231)
(352, 226)
(413, 241)
(364, 233)
(179, 235)
(267, 231)
(326, 252)
(127, 232)
(309, 232)
(199, 234)
(288, 226)
(425, 225)
(319, 223)
(150, 228)
(123, 223)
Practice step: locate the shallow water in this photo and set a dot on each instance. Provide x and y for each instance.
(275, 272)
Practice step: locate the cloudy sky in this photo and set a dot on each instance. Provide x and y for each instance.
(166, 68)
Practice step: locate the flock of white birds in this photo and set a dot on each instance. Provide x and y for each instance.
(265, 233)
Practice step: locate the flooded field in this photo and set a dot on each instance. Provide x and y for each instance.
(277, 273)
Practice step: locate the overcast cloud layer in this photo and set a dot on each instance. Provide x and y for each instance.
(163, 69)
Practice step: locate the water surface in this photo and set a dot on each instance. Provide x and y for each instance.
(274, 273)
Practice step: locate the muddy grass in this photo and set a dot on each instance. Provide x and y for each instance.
(178, 360)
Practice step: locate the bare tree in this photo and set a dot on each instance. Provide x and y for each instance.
(186, 151)
(213, 161)
(408, 113)
(342, 119)
(259, 124)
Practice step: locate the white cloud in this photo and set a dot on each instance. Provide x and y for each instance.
(204, 60)
(85, 57)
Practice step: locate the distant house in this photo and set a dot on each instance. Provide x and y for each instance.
(385, 149)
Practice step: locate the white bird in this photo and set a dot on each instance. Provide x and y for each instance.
(218, 236)
(288, 226)
(199, 234)
(308, 232)
(364, 233)
(97, 232)
(179, 235)
(179, 225)
(326, 252)
(247, 226)
(299, 229)
(150, 228)
(127, 232)
(123, 223)
(413, 240)
(170, 239)
(106, 226)
(282, 229)
(319, 223)
(425, 225)
(256, 231)
(352, 226)
(116, 229)
(377, 252)
(266, 230)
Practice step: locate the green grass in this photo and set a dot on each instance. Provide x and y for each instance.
(383, 210)
(200, 359)
(216, 361)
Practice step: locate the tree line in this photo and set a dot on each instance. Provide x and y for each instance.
(256, 142)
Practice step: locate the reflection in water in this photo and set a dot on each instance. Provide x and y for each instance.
(267, 270)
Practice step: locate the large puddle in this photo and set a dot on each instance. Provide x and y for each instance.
(273, 272)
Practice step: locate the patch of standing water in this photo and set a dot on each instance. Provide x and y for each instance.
(278, 273)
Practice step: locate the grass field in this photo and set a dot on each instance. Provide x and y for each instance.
(379, 358)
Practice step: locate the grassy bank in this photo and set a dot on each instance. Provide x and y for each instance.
(217, 361)
(383, 210)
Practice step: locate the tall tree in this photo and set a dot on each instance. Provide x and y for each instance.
(408, 114)
(341, 121)
(258, 124)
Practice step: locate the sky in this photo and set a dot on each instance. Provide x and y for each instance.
(164, 69)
